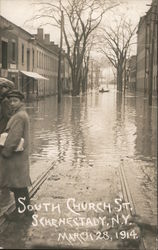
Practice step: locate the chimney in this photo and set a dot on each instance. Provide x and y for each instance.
(51, 43)
(40, 34)
(47, 39)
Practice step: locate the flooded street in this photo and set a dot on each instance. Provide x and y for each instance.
(89, 138)
(79, 171)
(96, 128)
(85, 119)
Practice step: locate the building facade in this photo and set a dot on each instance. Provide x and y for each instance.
(147, 66)
(30, 61)
(141, 76)
(8, 51)
(47, 64)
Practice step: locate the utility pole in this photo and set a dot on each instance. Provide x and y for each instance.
(125, 74)
(153, 25)
(60, 57)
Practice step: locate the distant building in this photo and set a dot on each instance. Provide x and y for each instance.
(47, 63)
(131, 73)
(66, 75)
(94, 75)
(147, 66)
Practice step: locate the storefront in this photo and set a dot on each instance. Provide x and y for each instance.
(29, 84)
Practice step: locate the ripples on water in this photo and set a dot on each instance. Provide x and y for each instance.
(101, 124)
(102, 127)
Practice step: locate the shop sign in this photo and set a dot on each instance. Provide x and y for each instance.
(13, 70)
(13, 66)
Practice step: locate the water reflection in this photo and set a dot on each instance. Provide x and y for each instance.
(99, 130)
(98, 124)
(146, 130)
(94, 130)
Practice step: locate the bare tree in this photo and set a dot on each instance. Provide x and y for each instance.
(81, 19)
(115, 44)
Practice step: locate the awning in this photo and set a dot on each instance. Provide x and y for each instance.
(34, 75)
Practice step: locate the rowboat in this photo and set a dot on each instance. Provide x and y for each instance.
(103, 90)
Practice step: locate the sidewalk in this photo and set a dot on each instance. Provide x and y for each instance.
(90, 220)
(77, 207)
(36, 170)
(92, 190)
(87, 188)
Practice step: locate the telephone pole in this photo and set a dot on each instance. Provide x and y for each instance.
(60, 57)
(152, 47)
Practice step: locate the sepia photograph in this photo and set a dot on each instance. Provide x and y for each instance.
(78, 124)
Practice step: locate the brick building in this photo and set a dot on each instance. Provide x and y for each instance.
(30, 60)
(8, 51)
(147, 51)
(47, 63)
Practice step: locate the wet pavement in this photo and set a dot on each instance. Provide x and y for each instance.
(89, 138)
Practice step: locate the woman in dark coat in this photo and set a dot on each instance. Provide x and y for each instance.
(15, 173)
(5, 109)
(5, 114)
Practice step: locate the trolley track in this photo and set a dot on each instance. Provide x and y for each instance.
(128, 198)
(32, 190)
(37, 184)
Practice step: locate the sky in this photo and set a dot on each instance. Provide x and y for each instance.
(19, 11)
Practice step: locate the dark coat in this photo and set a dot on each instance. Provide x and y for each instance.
(5, 114)
(14, 170)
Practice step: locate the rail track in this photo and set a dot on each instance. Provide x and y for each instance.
(128, 198)
(37, 184)
(32, 190)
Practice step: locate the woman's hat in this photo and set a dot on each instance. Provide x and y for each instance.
(4, 82)
(15, 93)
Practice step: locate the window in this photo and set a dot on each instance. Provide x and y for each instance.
(28, 60)
(22, 84)
(33, 58)
(13, 51)
(13, 79)
(4, 54)
(37, 59)
(22, 58)
(33, 87)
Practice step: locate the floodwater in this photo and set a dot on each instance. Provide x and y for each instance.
(98, 125)
(97, 128)
(89, 137)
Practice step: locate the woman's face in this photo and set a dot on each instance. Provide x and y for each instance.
(14, 102)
